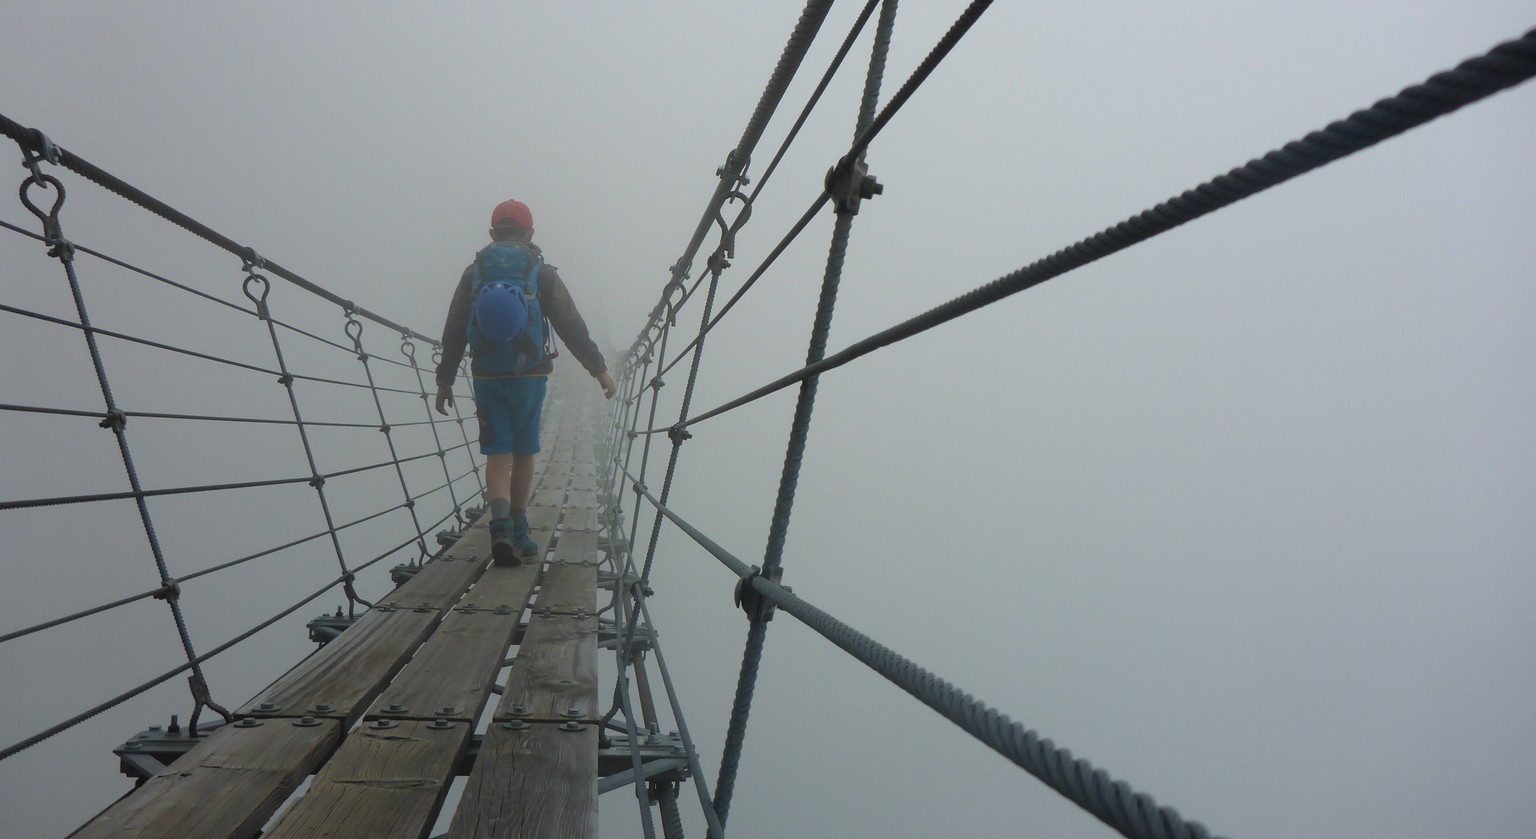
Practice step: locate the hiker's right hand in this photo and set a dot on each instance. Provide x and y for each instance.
(444, 399)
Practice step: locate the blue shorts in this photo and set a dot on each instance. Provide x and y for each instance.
(509, 411)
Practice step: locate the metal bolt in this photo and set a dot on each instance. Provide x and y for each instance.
(520, 710)
(268, 706)
(395, 709)
(306, 721)
(323, 708)
(515, 725)
(571, 726)
(439, 725)
(447, 711)
(247, 722)
(381, 725)
(571, 712)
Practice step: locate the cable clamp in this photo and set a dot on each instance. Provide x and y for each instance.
(632, 434)
(170, 590)
(116, 420)
(734, 170)
(384, 428)
(410, 504)
(849, 182)
(252, 261)
(657, 383)
(286, 380)
(640, 488)
(759, 609)
(678, 433)
(317, 481)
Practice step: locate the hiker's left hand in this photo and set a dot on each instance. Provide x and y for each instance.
(606, 382)
(444, 399)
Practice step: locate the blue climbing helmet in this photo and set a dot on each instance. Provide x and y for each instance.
(506, 327)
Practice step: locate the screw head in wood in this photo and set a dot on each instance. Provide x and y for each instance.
(515, 725)
(247, 722)
(306, 721)
(571, 726)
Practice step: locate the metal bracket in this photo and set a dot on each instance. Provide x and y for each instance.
(849, 183)
(759, 609)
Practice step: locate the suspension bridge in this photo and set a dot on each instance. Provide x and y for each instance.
(459, 669)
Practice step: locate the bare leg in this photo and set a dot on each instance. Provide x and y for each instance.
(498, 477)
(521, 481)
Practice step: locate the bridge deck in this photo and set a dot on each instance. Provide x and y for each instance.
(384, 716)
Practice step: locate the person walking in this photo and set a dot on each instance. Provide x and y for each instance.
(501, 310)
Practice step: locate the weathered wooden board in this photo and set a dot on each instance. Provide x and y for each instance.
(586, 482)
(349, 672)
(580, 519)
(456, 667)
(542, 517)
(538, 783)
(568, 589)
(553, 496)
(439, 583)
(381, 784)
(228, 785)
(555, 670)
(584, 467)
(581, 499)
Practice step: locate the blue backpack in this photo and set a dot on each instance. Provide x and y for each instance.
(506, 324)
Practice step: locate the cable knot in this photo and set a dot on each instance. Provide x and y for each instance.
(115, 420)
(759, 609)
(849, 183)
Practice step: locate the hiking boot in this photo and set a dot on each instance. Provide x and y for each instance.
(523, 546)
(503, 545)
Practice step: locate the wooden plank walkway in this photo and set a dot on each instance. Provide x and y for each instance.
(382, 715)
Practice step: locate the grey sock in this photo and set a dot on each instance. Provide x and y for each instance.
(500, 508)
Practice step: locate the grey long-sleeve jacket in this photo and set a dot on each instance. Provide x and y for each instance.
(557, 305)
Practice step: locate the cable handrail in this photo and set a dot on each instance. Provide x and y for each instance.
(1503, 67)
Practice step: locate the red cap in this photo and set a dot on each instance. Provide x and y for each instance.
(512, 213)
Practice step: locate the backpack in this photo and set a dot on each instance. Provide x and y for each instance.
(506, 324)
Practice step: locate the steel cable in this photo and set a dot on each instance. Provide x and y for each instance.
(1505, 66)
(800, 428)
(34, 141)
(55, 501)
(1113, 802)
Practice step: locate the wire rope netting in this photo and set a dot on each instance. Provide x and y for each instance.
(248, 404)
(215, 516)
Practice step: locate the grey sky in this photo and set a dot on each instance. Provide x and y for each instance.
(1241, 515)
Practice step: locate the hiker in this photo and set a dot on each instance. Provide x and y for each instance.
(501, 309)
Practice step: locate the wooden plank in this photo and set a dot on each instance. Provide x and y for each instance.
(586, 482)
(568, 590)
(228, 785)
(538, 783)
(555, 670)
(349, 672)
(381, 784)
(550, 496)
(440, 583)
(543, 517)
(456, 667)
(582, 499)
(580, 519)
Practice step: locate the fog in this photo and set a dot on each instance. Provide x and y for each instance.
(1241, 515)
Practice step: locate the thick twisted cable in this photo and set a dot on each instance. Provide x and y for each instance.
(1113, 802)
(1503, 67)
(800, 38)
(32, 140)
(800, 427)
(940, 50)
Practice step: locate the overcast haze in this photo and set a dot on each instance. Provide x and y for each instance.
(1241, 515)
